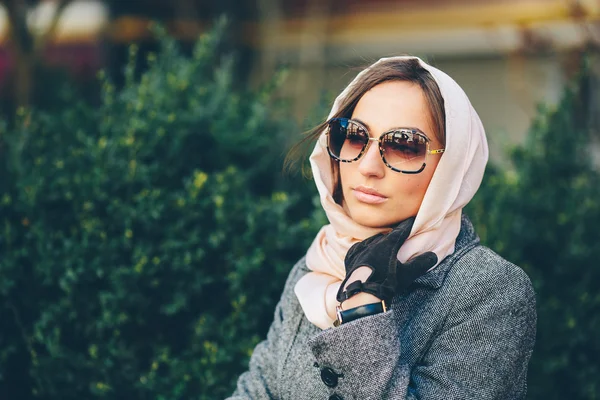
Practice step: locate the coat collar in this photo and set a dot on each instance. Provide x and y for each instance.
(465, 241)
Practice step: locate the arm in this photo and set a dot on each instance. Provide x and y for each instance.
(366, 354)
(260, 381)
(481, 352)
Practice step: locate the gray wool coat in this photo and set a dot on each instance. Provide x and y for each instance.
(464, 330)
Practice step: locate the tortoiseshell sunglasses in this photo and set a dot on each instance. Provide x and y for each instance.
(402, 149)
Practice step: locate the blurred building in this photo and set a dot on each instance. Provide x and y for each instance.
(508, 55)
(77, 39)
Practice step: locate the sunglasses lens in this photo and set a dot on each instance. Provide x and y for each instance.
(346, 139)
(405, 150)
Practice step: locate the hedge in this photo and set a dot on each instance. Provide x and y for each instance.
(145, 241)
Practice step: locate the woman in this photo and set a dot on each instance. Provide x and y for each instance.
(396, 298)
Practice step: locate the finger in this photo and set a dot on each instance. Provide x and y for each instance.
(352, 252)
(358, 247)
(418, 266)
(362, 244)
(373, 238)
(401, 232)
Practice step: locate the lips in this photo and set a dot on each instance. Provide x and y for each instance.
(368, 195)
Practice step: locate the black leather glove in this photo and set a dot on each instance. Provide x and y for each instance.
(388, 276)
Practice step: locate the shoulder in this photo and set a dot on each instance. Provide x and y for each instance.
(481, 267)
(482, 281)
(298, 271)
(288, 297)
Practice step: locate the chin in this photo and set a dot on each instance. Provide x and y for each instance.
(373, 216)
(371, 220)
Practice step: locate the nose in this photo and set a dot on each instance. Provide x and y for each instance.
(371, 164)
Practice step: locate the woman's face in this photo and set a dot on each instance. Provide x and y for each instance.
(393, 196)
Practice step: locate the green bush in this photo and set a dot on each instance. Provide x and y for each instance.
(145, 241)
(544, 215)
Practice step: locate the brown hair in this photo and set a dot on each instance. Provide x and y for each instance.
(409, 70)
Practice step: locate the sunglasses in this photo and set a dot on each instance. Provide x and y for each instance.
(402, 149)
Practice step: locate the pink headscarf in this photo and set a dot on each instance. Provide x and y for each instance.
(454, 183)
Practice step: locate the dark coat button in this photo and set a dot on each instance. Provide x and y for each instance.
(329, 377)
(335, 396)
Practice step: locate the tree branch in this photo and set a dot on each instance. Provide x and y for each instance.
(51, 32)
(20, 37)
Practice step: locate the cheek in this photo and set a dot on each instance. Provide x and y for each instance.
(410, 189)
(407, 188)
(345, 172)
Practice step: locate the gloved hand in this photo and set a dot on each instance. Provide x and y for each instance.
(388, 275)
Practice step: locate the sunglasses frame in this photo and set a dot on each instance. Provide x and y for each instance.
(379, 140)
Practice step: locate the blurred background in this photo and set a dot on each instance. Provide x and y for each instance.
(147, 227)
(508, 55)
